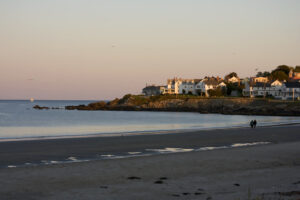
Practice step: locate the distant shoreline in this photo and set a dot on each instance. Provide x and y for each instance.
(172, 103)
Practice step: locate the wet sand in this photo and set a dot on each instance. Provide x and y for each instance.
(265, 171)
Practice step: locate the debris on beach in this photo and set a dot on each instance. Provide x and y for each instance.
(159, 182)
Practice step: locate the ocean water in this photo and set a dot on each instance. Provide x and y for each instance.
(18, 120)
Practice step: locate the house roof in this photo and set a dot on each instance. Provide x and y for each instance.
(211, 81)
(234, 77)
(277, 81)
(292, 84)
(197, 80)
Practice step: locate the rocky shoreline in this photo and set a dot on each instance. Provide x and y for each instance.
(230, 106)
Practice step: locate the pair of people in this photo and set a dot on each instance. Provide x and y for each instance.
(253, 123)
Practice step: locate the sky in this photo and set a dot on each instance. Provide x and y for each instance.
(102, 49)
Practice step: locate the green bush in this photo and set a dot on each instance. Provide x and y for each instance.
(219, 92)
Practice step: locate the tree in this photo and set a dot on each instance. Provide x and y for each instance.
(233, 87)
(263, 74)
(230, 75)
(266, 74)
(279, 75)
(218, 92)
(259, 74)
(230, 88)
(124, 98)
(286, 69)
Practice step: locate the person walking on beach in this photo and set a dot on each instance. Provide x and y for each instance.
(254, 123)
(251, 123)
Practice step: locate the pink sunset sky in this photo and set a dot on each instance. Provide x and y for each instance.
(102, 49)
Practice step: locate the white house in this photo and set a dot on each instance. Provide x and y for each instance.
(192, 86)
(172, 86)
(222, 84)
(291, 90)
(187, 86)
(181, 86)
(261, 89)
(209, 83)
(233, 80)
(260, 79)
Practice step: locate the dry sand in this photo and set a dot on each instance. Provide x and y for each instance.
(269, 171)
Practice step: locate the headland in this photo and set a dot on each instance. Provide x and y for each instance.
(190, 103)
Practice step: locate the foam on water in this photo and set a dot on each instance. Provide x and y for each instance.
(211, 148)
(72, 158)
(134, 153)
(107, 156)
(148, 152)
(170, 150)
(248, 144)
(181, 150)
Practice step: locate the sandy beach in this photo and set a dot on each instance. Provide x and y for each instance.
(265, 171)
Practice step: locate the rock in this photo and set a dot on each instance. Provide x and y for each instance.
(40, 107)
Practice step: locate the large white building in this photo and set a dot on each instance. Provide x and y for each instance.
(261, 89)
(181, 86)
(193, 86)
(276, 89)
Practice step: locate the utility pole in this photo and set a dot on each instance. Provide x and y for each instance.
(264, 90)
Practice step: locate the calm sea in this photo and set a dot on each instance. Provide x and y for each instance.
(18, 120)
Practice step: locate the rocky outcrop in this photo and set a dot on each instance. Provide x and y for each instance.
(37, 107)
(242, 106)
(41, 107)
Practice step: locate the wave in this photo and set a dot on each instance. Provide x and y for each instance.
(147, 152)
